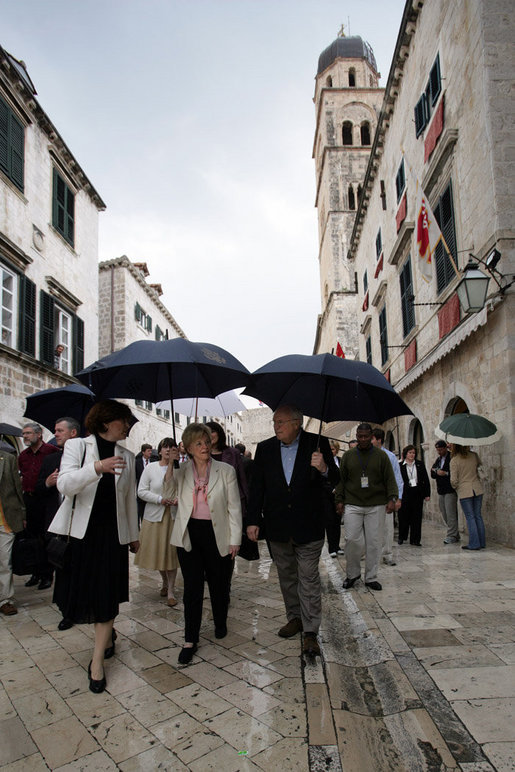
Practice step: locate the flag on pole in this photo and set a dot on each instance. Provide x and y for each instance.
(428, 233)
(339, 351)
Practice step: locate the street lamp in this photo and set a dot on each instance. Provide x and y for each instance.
(472, 288)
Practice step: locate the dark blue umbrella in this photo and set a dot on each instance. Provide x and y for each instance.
(10, 430)
(166, 369)
(327, 387)
(45, 407)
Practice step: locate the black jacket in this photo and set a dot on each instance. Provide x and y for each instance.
(443, 484)
(49, 497)
(423, 487)
(294, 511)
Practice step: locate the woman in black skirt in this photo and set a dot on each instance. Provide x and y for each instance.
(98, 480)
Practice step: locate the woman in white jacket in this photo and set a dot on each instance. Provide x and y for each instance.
(97, 479)
(155, 552)
(207, 531)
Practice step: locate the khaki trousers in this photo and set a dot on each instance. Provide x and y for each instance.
(6, 574)
(363, 534)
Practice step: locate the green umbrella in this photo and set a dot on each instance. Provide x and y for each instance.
(468, 429)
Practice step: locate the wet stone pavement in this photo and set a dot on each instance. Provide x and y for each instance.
(420, 676)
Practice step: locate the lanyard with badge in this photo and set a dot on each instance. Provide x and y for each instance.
(364, 467)
(412, 475)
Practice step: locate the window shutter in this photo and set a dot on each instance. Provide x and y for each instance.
(46, 333)
(435, 81)
(420, 116)
(78, 344)
(17, 152)
(368, 344)
(4, 137)
(383, 336)
(408, 311)
(444, 214)
(27, 317)
(137, 312)
(149, 323)
(379, 244)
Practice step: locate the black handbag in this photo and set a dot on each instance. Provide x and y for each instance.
(27, 553)
(58, 547)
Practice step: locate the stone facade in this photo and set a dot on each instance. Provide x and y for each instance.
(48, 247)
(256, 427)
(447, 124)
(347, 102)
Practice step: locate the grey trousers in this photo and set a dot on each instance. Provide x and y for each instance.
(363, 533)
(448, 503)
(299, 579)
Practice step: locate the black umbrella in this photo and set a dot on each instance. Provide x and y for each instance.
(13, 431)
(166, 369)
(45, 407)
(327, 387)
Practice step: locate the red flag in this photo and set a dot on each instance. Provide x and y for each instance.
(428, 234)
(339, 351)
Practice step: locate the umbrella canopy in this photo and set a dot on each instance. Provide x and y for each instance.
(13, 431)
(165, 369)
(45, 407)
(223, 405)
(327, 387)
(468, 429)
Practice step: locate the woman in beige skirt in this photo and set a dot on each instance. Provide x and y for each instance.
(156, 552)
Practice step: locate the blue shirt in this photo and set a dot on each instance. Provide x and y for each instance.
(396, 470)
(288, 456)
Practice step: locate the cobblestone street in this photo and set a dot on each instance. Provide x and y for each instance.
(419, 676)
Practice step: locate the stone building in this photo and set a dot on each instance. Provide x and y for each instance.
(347, 103)
(48, 248)
(447, 125)
(130, 309)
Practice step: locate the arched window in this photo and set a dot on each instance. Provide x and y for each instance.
(365, 133)
(352, 199)
(456, 405)
(359, 193)
(352, 77)
(329, 82)
(347, 133)
(389, 441)
(417, 438)
(326, 294)
(371, 81)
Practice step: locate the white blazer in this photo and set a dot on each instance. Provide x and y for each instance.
(223, 498)
(82, 481)
(150, 489)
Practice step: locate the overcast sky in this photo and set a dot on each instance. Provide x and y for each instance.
(194, 121)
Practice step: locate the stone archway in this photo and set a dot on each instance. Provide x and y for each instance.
(456, 405)
(416, 437)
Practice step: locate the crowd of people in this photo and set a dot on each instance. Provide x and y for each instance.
(198, 504)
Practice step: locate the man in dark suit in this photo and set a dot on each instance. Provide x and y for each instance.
(143, 458)
(447, 497)
(287, 498)
(46, 488)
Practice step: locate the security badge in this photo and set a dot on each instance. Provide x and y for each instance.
(364, 481)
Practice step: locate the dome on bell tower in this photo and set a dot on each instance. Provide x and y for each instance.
(346, 48)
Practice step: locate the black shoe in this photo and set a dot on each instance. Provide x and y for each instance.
(348, 583)
(220, 632)
(44, 584)
(310, 645)
(96, 686)
(65, 624)
(32, 581)
(186, 654)
(466, 547)
(109, 652)
(374, 585)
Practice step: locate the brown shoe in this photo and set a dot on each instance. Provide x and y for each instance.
(293, 627)
(172, 602)
(8, 609)
(310, 645)
(163, 592)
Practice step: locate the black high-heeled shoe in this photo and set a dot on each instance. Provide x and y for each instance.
(109, 652)
(96, 686)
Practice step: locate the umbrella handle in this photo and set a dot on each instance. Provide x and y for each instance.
(171, 405)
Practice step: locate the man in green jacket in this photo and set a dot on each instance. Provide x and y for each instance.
(12, 517)
(367, 485)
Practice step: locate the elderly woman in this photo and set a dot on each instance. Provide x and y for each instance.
(465, 479)
(155, 552)
(99, 512)
(416, 490)
(207, 531)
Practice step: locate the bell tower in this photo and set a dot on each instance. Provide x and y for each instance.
(347, 102)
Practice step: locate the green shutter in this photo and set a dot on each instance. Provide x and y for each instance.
(78, 344)
(4, 137)
(63, 208)
(27, 317)
(12, 145)
(46, 331)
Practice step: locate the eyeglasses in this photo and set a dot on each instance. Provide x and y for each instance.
(286, 421)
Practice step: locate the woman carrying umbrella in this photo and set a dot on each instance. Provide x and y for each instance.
(99, 512)
(465, 479)
(416, 491)
(207, 531)
(155, 552)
